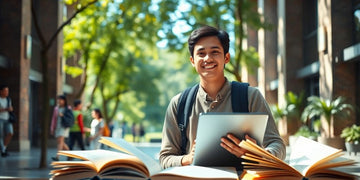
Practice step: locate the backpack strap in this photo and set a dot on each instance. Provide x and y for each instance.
(8, 101)
(184, 108)
(239, 103)
(239, 96)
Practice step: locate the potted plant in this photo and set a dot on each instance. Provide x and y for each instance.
(279, 115)
(352, 138)
(288, 117)
(305, 132)
(327, 110)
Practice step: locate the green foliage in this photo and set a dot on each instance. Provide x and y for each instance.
(351, 134)
(295, 104)
(250, 59)
(324, 107)
(306, 132)
(114, 42)
(73, 70)
(278, 112)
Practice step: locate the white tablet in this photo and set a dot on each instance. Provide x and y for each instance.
(213, 126)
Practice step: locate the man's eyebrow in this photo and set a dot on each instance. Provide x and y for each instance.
(213, 47)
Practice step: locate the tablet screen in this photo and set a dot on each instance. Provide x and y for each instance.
(212, 126)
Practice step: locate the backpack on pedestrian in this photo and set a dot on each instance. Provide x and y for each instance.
(67, 120)
(106, 131)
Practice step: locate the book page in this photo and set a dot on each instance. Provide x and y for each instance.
(306, 152)
(196, 172)
(122, 145)
(100, 158)
(264, 159)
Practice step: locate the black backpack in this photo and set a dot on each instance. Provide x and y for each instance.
(239, 103)
(68, 118)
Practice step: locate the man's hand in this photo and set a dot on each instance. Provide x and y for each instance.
(231, 144)
(188, 159)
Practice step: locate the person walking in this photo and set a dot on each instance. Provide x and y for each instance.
(57, 129)
(77, 133)
(97, 128)
(6, 127)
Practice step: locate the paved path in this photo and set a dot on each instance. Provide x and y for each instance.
(25, 165)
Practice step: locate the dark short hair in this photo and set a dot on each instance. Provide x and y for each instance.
(3, 86)
(206, 31)
(77, 102)
(63, 97)
(97, 111)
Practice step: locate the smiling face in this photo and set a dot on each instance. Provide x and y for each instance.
(209, 59)
(94, 114)
(4, 92)
(61, 102)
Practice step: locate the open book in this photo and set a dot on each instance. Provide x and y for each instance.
(308, 160)
(129, 163)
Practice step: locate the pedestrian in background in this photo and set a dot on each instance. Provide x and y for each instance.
(123, 129)
(77, 133)
(133, 131)
(142, 132)
(97, 128)
(57, 129)
(6, 128)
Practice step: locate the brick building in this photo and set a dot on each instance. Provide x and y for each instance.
(20, 65)
(314, 47)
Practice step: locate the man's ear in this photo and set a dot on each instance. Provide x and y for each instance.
(192, 61)
(227, 58)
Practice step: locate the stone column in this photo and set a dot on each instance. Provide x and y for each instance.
(289, 58)
(268, 50)
(15, 34)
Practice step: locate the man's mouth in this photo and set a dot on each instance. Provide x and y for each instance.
(209, 66)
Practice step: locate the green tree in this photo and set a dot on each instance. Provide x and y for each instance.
(45, 45)
(115, 42)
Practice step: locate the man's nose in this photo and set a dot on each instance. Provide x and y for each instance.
(207, 58)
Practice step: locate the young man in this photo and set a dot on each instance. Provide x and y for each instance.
(6, 128)
(77, 132)
(209, 50)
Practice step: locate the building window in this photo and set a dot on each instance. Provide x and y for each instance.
(312, 86)
(310, 28)
(356, 18)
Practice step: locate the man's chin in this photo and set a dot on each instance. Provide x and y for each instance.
(209, 76)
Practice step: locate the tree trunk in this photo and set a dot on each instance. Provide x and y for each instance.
(46, 111)
(45, 46)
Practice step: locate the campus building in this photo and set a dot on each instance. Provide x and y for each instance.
(21, 66)
(313, 47)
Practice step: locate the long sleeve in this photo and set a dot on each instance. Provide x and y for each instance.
(54, 119)
(81, 123)
(272, 140)
(170, 153)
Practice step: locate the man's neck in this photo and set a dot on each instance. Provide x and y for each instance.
(212, 87)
